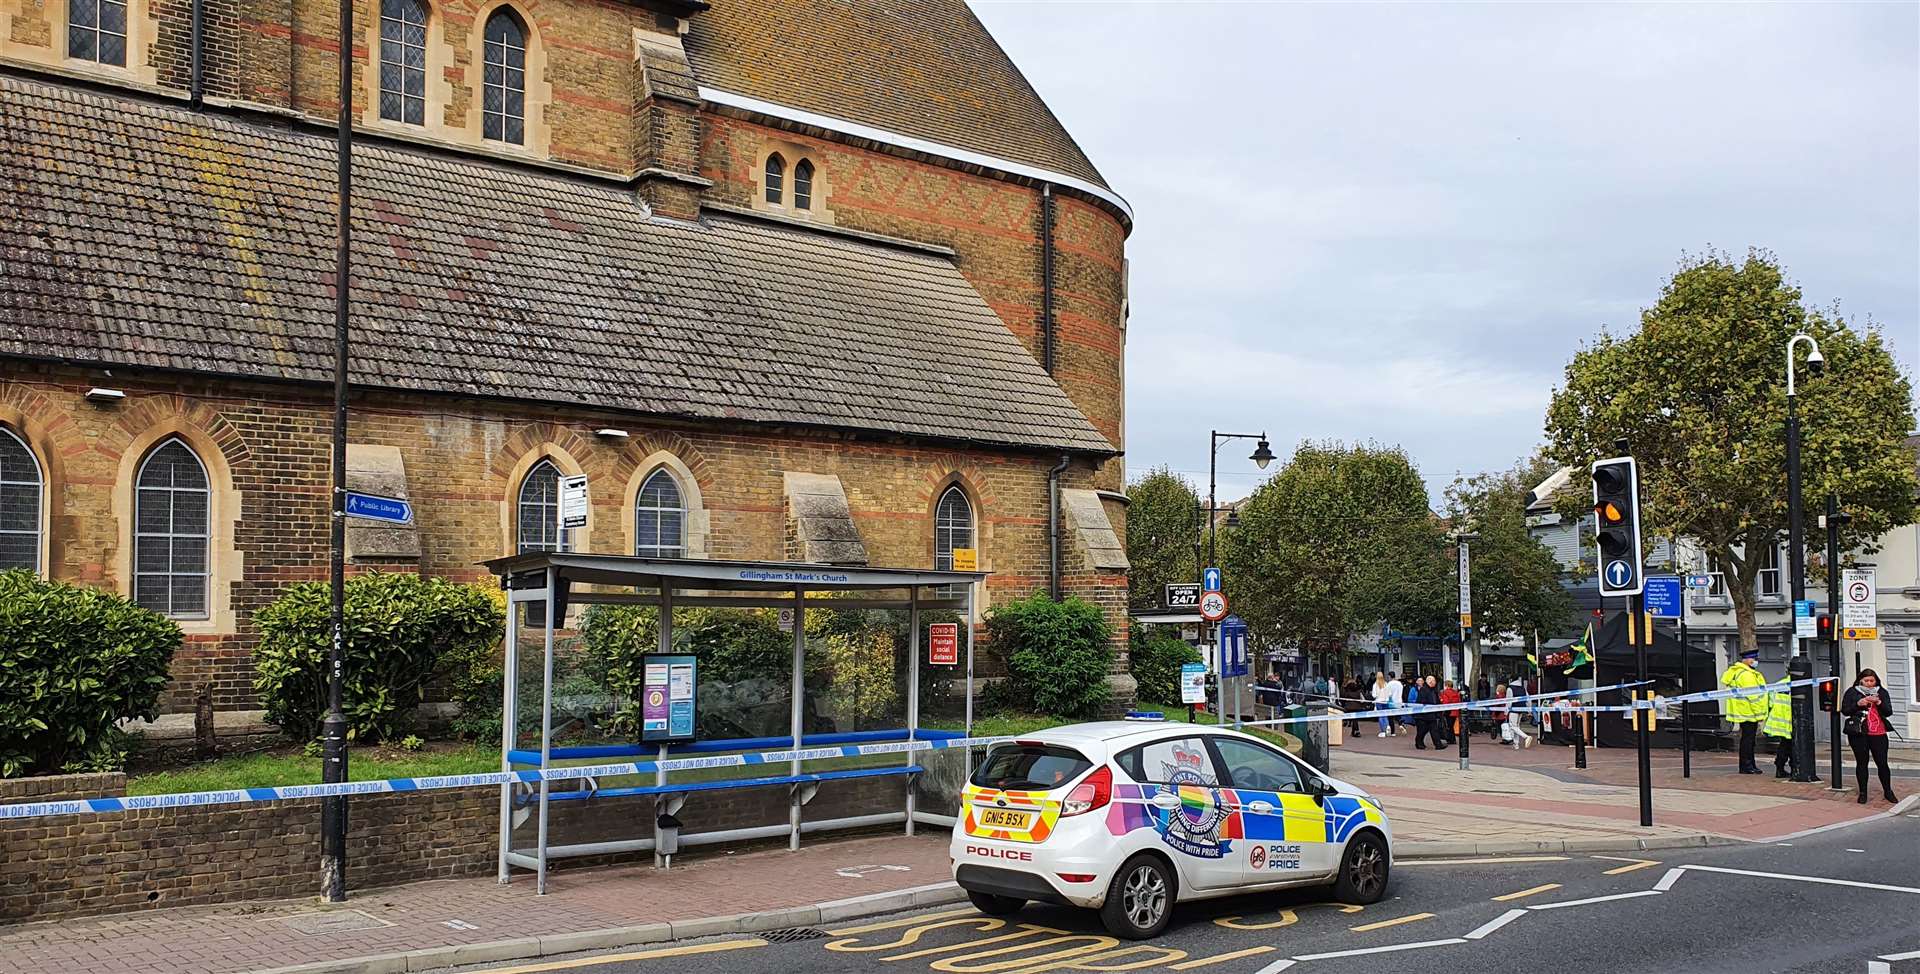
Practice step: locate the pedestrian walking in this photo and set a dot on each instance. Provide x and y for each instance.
(1386, 696)
(1746, 713)
(1427, 727)
(1410, 695)
(1515, 734)
(1869, 710)
(1779, 726)
(1350, 699)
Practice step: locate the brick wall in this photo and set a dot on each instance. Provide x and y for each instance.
(266, 447)
(77, 865)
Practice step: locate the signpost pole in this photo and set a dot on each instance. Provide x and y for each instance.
(1834, 606)
(1642, 719)
(1686, 712)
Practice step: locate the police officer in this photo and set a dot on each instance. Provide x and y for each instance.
(1779, 726)
(1746, 712)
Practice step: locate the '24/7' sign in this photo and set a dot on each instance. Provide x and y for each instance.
(1183, 596)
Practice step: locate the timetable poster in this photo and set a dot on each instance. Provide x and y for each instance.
(667, 694)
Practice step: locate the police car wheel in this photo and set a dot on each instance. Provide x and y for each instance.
(1362, 880)
(1139, 900)
(996, 906)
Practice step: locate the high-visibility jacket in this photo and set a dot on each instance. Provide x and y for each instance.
(1779, 716)
(1740, 710)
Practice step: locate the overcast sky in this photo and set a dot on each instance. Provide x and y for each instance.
(1397, 222)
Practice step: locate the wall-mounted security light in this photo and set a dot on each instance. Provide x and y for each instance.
(610, 434)
(105, 396)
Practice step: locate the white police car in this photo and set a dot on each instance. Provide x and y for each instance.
(1127, 817)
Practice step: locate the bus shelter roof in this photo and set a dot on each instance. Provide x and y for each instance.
(716, 575)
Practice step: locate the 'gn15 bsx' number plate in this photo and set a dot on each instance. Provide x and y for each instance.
(1004, 818)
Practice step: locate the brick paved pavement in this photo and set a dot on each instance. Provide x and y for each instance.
(233, 938)
(1536, 793)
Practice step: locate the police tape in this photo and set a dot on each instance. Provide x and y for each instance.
(1510, 703)
(85, 806)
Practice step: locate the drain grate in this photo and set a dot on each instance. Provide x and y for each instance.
(793, 935)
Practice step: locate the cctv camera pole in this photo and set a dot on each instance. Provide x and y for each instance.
(1799, 666)
(333, 729)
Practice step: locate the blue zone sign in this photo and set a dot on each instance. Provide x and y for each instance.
(373, 507)
(1662, 596)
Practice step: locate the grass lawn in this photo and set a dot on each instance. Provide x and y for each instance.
(291, 767)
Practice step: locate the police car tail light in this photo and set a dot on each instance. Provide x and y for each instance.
(1092, 793)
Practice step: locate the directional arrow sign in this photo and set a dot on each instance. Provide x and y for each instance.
(1619, 574)
(373, 507)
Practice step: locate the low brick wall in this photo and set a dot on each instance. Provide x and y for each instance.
(77, 865)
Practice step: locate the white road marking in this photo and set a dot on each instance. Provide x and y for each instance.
(1380, 950)
(1666, 882)
(1496, 923)
(1470, 862)
(1804, 879)
(1876, 967)
(1275, 968)
(1856, 850)
(1909, 955)
(1596, 899)
(1783, 843)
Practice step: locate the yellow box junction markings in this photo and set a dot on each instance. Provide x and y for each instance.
(1542, 888)
(919, 928)
(1287, 918)
(1383, 924)
(907, 922)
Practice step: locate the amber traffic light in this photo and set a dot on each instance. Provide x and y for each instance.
(1616, 515)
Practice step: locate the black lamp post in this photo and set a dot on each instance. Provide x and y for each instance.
(1799, 666)
(1262, 455)
(1832, 521)
(1465, 539)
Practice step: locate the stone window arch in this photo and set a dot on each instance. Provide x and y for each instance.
(954, 526)
(403, 61)
(803, 185)
(22, 503)
(537, 511)
(776, 179)
(660, 517)
(503, 101)
(172, 531)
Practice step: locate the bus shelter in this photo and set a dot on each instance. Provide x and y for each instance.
(542, 586)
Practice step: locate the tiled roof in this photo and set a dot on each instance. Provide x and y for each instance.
(147, 235)
(925, 68)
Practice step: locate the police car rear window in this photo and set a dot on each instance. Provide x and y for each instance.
(1030, 767)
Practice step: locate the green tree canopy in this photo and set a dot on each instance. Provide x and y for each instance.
(1335, 542)
(1699, 393)
(1163, 521)
(1516, 579)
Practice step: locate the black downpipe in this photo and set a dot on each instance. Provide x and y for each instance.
(1046, 279)
(1053, 527)
(197, 73)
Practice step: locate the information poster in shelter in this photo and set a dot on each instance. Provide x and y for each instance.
(667, 695)
(943, 643)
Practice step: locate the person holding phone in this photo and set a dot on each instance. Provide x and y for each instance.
(1869, 710)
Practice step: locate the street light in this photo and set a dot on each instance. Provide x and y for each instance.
(1262, 455)
(1799, 667)
(1833, 521)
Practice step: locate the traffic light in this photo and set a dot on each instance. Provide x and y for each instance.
(1824, 624)
(1616, 516)
(1828, 690)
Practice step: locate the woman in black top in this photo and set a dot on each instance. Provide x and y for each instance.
(1869, 711)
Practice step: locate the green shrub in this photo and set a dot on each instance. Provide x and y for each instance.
(74, 662)
(1155, 663)
(398, 626)
(1057, 653)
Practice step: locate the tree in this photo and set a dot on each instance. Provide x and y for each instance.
(1516, 579)
(1699, 393)
(1163, 522)
(1334, 543)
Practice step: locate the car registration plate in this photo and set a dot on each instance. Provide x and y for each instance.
(1004, 818)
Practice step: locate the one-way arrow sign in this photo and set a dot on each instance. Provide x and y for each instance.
(373, 507)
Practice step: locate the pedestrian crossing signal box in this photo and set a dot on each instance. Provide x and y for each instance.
(1616, 527)
(1650, 715)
